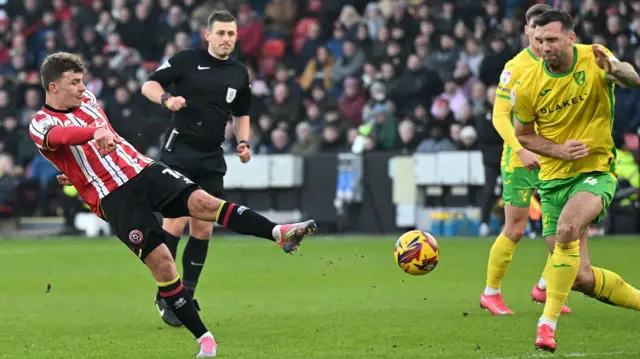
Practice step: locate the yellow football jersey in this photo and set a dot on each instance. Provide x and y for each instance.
(578, 104)
(502, 116)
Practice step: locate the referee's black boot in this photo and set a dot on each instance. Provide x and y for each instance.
(167, 314)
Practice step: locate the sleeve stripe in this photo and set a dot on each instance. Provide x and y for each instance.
(35, 132)
(46, 140)
(503, 96)
(519, 120)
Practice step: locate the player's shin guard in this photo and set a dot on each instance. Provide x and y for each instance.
(499, 260)
(565, 263)
(180, 302)
(243, 220)
(195, 253)
(610, 288)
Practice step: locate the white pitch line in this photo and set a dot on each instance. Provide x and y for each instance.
(568, 355)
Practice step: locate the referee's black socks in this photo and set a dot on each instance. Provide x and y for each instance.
(181, 304)
(193, 257)
(243, 220)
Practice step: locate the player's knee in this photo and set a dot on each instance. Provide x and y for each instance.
(514, 230)
(515, 222)
(201, 203)
(175, 226)
(515, 235)
(567, 232)
(585, 280)
(200, 229)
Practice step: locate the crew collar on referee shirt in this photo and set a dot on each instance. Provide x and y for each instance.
(215, 59)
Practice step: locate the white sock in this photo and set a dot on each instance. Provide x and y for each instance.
(205, 335)
(491, 291)
(542, 283)
(275, 232)
(549, 322)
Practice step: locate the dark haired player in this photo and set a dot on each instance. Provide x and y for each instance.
(519, 172)
(564, 110)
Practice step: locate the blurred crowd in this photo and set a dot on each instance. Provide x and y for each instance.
(419, 75)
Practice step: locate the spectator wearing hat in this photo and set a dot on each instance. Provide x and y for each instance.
(385, 128)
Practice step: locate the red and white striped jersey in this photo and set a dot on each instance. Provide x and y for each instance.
(95, 172)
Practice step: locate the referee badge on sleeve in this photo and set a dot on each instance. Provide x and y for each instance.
(231, 94)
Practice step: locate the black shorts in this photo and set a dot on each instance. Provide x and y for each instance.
(130, 208)
(206, 168)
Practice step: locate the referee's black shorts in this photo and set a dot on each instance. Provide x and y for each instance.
(206, 168)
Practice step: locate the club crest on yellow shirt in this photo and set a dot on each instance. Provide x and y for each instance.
(580, 77)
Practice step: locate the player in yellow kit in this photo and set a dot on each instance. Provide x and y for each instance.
(569, 101)
(519, 172)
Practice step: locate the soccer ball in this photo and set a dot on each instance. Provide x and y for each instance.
(416, 252)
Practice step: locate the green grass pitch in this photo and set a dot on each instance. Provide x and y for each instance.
(336, 298)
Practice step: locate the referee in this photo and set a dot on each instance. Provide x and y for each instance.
(210, 89)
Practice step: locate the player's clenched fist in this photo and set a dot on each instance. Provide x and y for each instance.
(574, 150)
(105, 138)
(243, 152)
(175, 103)
(63, 180)
(529, 159)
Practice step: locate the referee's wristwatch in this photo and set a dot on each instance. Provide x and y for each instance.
(245, 143)
(163, 99)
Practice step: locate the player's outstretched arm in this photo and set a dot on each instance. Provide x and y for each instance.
(568, 151)
(77, 135)
(624, 74)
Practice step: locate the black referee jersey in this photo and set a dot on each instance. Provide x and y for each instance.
(214, 90)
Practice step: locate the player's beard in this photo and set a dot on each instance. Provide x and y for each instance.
(555, 62)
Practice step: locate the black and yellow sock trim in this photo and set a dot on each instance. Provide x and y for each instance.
(224, 212)
(167, 289)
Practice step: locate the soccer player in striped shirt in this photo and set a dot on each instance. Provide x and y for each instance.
(125, 188)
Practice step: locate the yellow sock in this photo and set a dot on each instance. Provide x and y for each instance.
(499, 260)
(564, 269)
(612, 289)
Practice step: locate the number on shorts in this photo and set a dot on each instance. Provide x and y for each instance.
(177, 175)
(590, 180)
